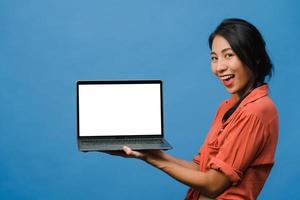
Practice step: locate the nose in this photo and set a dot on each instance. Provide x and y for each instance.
(221, 65)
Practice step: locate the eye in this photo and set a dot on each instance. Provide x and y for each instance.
(229, 55)
(213, 58)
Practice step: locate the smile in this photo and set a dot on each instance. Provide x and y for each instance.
(227, 79)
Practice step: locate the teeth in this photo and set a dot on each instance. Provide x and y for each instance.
(226, 77)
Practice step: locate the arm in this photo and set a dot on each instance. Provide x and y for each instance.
(183, 163)
(211, 183)
(140, 155)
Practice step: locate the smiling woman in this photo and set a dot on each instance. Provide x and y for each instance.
(243, 49)
(226, 65)
(238, 152)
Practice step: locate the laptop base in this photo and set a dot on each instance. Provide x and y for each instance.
(113, 145)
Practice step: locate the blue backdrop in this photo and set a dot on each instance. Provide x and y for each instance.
(45, 46)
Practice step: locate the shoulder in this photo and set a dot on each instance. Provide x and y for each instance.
(262, 108)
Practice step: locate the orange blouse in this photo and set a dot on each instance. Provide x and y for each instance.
(243, 147)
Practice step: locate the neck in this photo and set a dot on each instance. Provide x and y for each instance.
(247, 89)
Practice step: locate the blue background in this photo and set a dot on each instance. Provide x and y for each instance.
(45, 46)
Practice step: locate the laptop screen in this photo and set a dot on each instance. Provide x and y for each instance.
(120, 108)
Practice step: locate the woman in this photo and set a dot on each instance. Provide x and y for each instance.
(238, 152)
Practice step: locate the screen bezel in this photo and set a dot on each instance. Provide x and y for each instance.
(97, 82)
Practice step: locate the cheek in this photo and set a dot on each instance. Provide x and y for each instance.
(248, 75)
(245, 75)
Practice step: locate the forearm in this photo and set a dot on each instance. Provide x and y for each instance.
(186, 175)
(210, 183)
(183, 163)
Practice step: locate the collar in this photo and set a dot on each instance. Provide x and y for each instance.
(257, 93)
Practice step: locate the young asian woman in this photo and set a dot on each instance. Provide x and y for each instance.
(237, 155)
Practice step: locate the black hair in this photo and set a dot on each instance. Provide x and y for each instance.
(248, 44)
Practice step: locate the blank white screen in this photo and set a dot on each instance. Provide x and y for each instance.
(119, 109)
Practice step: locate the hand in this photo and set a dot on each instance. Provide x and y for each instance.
(146, 155)
(134, 154)
(116, 153)
(127, 152)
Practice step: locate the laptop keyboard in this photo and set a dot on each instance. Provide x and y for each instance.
(124, 141)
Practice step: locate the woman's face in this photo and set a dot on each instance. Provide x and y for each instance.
(230, 70)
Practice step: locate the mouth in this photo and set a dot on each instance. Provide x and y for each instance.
(227, 79)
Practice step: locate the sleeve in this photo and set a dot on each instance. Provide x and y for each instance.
(197, 158)
(240, 148)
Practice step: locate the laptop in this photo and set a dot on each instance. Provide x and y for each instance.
(111, 114)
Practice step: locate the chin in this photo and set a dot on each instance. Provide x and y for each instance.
(231, 90)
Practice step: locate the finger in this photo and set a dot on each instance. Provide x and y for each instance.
(132, 153)
(127, 150)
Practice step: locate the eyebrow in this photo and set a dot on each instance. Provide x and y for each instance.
(223, 50)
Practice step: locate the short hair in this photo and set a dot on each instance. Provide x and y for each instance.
(248, 44)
